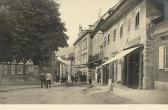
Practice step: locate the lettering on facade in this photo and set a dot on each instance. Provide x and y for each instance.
(133, 42)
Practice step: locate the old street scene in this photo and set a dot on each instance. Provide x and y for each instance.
(83, 52)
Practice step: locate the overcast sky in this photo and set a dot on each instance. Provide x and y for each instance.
(81, 12)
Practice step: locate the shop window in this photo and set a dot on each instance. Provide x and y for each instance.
(166, 57)
(163, 57)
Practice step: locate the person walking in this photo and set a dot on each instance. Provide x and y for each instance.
(90, 78)
(58, 78)
(85, 78)
(72, 78)
(48, 77)
(42, 79)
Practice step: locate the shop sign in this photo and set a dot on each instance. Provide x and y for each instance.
(164, 37)
(133, 42)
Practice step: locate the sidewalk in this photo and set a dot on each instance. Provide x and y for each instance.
(140, 96)
(17, 87)
(8, 88)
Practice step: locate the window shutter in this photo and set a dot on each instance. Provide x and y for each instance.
(161, 57)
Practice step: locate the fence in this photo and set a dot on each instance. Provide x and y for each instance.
(13, 74)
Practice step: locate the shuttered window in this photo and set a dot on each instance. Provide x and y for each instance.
(161, 57)
(166, 57)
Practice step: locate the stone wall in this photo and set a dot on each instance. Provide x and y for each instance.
(11, 74)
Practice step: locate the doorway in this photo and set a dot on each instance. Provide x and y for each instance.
(131, 76)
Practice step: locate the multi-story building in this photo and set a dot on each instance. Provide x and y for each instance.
(83, 51)
(63, 67)
(97, 57)
(161, 54)
(131, 41)
(128, 42)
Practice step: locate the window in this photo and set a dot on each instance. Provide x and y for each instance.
(114, 37)
(166, 57)
(163, 57)
(84, 44)
(105, 42)
(137, 21)
(129, 24)
(108, 39)
(121, 31)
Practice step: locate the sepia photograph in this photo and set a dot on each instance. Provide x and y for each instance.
(87, 52)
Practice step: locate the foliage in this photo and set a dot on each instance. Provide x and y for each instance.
(31, 30)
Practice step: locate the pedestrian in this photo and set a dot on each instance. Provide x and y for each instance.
(76, 79)
(98, 77)
(48, 77)
(81, 79)
(85, 78)
(57, 78)
(90, 78)
(72, 78)
(42, 79)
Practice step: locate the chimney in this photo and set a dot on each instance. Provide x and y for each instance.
(90, 26)
(80, 28)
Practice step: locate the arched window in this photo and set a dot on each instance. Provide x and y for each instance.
(105, 42)
(114, 37)
(137, 21)
(108, 39)
(121, 31)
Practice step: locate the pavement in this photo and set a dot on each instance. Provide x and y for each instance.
(8, 88)
(139, 96)
(80, 94)
(61, 94)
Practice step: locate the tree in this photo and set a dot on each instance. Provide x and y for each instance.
(35, 29)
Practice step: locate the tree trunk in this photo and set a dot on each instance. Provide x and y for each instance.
(16, 68)
(24, 68)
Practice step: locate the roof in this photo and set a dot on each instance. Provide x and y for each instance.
(118, 11)
(104, 17)
(82, 36)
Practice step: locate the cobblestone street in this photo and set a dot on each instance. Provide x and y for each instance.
(61, 95)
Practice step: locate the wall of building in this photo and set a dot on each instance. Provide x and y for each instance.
(11, 74)
(161, 40)
(131, 35)
(83, 49)
(97, 43)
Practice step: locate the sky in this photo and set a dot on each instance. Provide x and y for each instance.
(81, 12)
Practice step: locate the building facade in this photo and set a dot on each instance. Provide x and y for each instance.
(161, 55)
(83, 49)
(129, 45)
(12, 73)
(63, 68)
(130, 40)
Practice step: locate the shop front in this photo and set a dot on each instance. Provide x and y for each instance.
(126, 68)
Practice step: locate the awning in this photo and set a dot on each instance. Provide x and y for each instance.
(120, 55)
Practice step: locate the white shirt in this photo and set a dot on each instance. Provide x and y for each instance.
(48, 76)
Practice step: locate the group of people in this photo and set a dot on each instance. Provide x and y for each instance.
(46, 79)
(82, 78)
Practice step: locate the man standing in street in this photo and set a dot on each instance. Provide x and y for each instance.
(90, 78)
(42, 79)
(48, 78)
